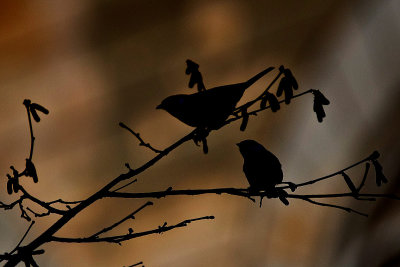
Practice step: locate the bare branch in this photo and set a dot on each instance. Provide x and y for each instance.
(36, 214)
(136, 264)
(367, 165)
(335, 173)
(243, 192)
(333, 206)
(41, 203)
(137, 135)
(126, 185)
(23, 237)
(121, 238)
(130, 216)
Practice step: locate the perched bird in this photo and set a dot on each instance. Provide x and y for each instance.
(210, 108)
(262, 169)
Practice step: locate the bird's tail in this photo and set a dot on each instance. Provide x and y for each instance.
(257, 77)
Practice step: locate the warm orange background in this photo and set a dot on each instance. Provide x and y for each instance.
(96, 63)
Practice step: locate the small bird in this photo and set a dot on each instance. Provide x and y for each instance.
(262, 169)
(210, 108)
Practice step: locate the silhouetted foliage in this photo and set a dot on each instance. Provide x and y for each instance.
(33, 108)
(319, 101)
(272, 100)
(192, 69)
(380, 177)
(30, 170)
(287, 84)
(206, 111)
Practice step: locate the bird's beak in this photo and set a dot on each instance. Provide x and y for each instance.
(159, 107)
(238, 144)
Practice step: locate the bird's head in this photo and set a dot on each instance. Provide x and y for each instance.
(172, 103)
(249, 146)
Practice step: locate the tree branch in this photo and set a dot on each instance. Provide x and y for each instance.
(137, 135)
(121, 238)
(130, 216)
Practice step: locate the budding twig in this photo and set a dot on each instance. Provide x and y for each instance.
(137, 135)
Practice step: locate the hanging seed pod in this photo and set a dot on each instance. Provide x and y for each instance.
(9, 186)
(263, 102)
(288, 74)
(15, 185)
(288, 94)
(31, 170)
(273, 102)
(245, 120)
(205, 146)
(380, 177)
(319, 101)
(35, 115)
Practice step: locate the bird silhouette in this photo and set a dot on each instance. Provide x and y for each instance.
(210, 108)
(262, 169)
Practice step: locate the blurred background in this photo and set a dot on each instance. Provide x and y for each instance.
(96, 63)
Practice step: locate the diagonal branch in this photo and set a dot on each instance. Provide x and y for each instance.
(130, 216)
(142, 142)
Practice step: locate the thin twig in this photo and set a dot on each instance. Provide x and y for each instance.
(243, 192)
(332, 174)
(123, 186)
(23, 237)
(334, 206)
(142, 142)
(130, 216)
(136, 264)
(41, 203)
(31, 133)
(122, 238)
(367, 165)
(36, 214)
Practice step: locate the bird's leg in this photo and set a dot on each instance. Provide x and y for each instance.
(200, 135)
(291, 185)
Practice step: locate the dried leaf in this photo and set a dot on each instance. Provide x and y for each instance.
(380, 177)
